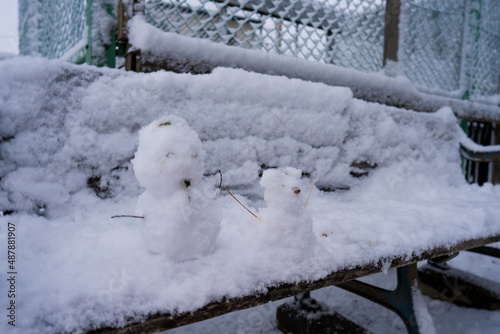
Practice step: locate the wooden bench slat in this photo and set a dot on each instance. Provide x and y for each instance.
(161, 322)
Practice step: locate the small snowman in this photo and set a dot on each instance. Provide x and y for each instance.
(285, 220)
(180, 221)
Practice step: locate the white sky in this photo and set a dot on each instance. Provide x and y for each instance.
(8, 26)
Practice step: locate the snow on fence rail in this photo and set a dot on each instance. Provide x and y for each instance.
(351, 36)
(446, 47)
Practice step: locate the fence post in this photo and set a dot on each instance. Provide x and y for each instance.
(126, 10)
(391, 30)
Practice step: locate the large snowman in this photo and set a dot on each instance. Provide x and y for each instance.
(180, 221)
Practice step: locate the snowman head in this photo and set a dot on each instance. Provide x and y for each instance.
(169, 156)
(283, 188)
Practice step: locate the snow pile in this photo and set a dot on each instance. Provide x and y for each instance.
(179, 220)
(68, 136)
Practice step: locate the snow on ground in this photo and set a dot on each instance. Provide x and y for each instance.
(68, 134)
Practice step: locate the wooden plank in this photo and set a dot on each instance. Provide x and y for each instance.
(160, 322)
(121, 33)
(126, 10)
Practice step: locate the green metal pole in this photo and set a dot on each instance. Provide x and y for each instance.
(111, 48)
(88, 14)
(474, 19)
(476, 40)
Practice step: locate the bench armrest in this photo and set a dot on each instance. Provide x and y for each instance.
(478, 153)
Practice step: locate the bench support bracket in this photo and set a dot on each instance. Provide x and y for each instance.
(486, 250)
(404, 300)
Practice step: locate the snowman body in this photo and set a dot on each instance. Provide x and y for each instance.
(285, 220)
(180, 221)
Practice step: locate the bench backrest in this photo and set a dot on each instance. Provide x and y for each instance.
(85, 125)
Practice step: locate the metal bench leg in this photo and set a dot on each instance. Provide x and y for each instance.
(486, 250)
(406, 300)
(305, 315)
(441, 281)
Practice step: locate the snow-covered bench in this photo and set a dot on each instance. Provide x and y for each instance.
(155, 50)
(396, 193)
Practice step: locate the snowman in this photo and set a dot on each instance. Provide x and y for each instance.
(180, 221)
(285, 219)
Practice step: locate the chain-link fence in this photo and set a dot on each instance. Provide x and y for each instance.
(450, 47)
(75, 30)
(51, 28)
(485, 64)
(447, 47)
(432, 42)
(349, 34)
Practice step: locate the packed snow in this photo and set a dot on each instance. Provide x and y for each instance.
(180, 221)
(71, 141)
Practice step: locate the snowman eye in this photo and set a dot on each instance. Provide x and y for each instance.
(296, 190)
(169, 154)
(194, 155)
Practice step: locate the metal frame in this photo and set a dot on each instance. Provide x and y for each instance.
(486, 250)
(400, 300)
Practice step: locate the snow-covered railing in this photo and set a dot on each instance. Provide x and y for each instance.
(322, 31)
(481, 163)
(161, 50)
(445, 47)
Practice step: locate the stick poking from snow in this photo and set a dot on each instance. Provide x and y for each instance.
(253, 214)
(310, 191)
